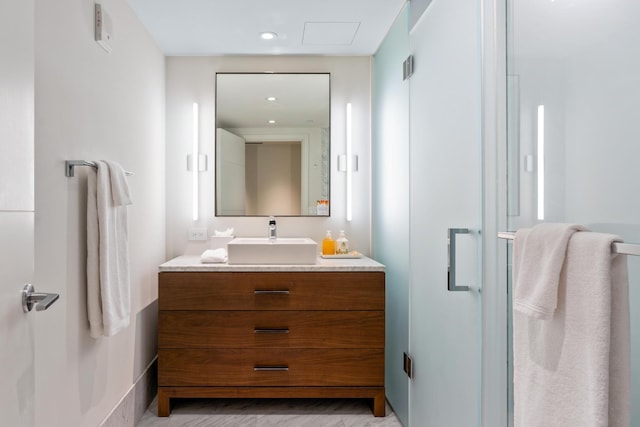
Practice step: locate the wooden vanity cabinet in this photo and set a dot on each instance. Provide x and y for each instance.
(271, 335)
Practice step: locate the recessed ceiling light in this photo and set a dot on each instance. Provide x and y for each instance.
(271, 98)
(272, 121)
(268, 35)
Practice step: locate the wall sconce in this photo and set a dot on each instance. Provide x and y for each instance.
(540, 162)
(349, 163)
(196, 162)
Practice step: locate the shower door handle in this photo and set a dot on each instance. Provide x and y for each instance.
(451, 262)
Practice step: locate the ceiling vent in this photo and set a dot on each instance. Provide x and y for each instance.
(329, 33)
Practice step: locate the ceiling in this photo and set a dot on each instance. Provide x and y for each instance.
(233, 27)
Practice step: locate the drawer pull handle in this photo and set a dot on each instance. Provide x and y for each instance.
(271, 331)
(270, 368)
(271, 292)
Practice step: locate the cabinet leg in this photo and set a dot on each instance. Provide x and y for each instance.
(379, 405)
(164, 404)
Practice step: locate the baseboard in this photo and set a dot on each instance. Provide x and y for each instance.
(135, 402)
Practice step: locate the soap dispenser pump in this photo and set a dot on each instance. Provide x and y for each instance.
(328, 244)
(342, 244)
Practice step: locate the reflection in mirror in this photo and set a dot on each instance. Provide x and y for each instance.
(272, 144)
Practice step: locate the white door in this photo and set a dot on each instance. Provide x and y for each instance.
(17, 380)
(230, 173)
(446, 193)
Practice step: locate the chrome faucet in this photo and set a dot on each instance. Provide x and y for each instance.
(273, 230)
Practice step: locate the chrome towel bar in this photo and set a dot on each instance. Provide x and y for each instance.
(617, 247)
(69, 166)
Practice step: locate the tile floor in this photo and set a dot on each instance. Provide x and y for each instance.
(268, 413)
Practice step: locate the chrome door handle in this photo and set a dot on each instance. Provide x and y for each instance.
(451, 263)
(30, 298)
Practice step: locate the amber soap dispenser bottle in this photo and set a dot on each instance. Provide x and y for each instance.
(328, 244)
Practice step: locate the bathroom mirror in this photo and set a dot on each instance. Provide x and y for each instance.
(272, 144)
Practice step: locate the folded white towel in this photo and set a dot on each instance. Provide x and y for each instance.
(574, 368)
(214, 255)
(224, 233)
(108, 283)
(538, 258)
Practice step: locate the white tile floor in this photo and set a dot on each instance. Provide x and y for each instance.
(268, 413)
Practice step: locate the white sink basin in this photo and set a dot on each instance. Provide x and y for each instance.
(261, 250)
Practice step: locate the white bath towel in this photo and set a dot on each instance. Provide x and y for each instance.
(540, 256)
(573, 369)
(108, 283)
(214, 255)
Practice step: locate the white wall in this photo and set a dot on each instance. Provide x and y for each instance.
(17, 373)
(91, 105)
(192, 79)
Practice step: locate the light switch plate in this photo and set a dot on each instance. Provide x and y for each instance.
(103, 28)
(197, 234)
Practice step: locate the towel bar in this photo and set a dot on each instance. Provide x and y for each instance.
(69, 166)
(617, 247)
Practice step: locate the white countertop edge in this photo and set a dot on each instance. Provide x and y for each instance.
(192, 263)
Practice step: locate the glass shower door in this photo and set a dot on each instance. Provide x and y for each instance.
(573, 119)
(446, 192)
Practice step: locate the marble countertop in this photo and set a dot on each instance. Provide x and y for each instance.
(192, 263)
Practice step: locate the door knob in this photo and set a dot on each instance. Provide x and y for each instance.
(30, 298)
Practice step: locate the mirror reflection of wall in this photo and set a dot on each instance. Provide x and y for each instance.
(272, 143)
(272, 178)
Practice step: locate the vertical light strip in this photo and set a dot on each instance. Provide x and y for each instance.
(349, 164)
(540, 162)
(194, 161)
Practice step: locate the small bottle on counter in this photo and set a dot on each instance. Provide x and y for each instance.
(328, 244)
(342, 244)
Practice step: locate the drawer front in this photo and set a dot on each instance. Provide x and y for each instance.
(274, 367)
(264, 329)
(271, 291)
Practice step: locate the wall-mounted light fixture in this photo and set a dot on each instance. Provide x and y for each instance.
(540, 162)
(194, 159)
(349, 162)
(196, 162)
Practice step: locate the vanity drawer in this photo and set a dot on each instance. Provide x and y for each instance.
(274, 367)
(271, 291)
(263, 329)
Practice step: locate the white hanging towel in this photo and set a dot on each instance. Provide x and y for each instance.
(571, 333)
(108, 283)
